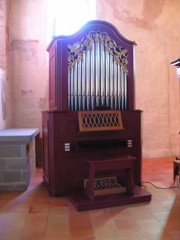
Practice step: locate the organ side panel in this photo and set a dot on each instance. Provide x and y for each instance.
(45, 137)
(52, 79)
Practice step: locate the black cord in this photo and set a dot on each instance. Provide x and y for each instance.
(157, 186)
(143, 186)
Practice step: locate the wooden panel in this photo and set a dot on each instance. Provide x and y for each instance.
(100, 121)
(68, 150)
(52, 80)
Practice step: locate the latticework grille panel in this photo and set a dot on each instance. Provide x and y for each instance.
(100, 120)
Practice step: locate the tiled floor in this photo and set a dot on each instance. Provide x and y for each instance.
(33, 215)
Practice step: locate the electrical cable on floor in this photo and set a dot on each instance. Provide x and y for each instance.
(157, 186)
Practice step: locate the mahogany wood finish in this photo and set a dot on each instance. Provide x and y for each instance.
(66, 149)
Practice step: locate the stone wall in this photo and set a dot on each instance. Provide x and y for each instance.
(28, 61)
(17, 165)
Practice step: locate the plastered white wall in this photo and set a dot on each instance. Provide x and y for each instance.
(154, 26)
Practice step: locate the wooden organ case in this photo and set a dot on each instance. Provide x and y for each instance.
(91, 132)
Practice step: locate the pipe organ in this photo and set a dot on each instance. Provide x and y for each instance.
(91, 122)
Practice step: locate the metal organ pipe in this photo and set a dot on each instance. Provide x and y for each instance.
(97, 74)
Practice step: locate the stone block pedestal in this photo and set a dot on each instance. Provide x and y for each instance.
(17, 158)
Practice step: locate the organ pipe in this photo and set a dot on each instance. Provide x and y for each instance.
(97, 75)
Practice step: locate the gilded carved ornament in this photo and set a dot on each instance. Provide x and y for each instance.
(76, 50)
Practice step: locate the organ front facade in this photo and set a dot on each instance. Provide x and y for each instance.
(92, 132)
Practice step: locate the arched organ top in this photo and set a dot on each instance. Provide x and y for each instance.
(93, 70)
(94, 41)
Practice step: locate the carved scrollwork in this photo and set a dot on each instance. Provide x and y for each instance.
(76, 50)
